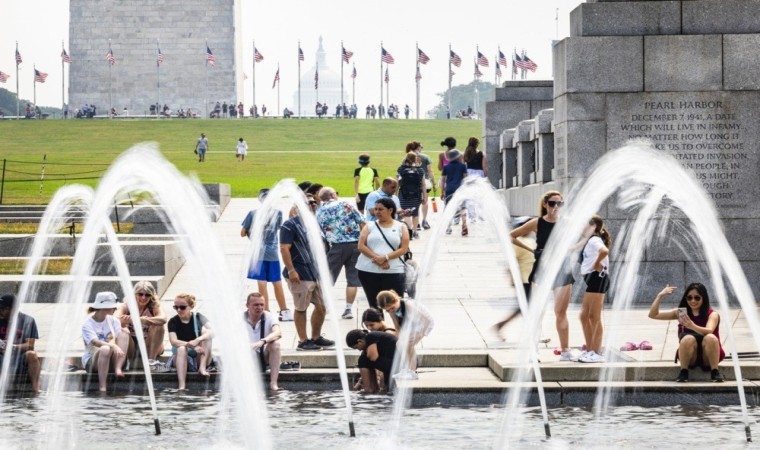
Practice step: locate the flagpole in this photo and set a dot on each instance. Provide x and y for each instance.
(387, 90)
(299, 78)
(341, 73)
(253, 79)
(316, 81)
(381, 77)
(495, 72)
(34, 83)
(449, 113)
(63, 80)
(205, 101)
(417, 44)
(278, 90)
(353, 84)
(17, 96)
(158, 73)
(110, 82)
(514, 67)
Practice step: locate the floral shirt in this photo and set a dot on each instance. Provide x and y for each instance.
(340, 222)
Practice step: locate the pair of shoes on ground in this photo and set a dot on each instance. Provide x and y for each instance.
(286, 315)
(407, 374)
(584, 357)
(425, 225)
(290, 365)
(348, 314)
(715, 376)
(315, 344)
(630, 346)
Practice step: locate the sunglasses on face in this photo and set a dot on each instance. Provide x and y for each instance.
(696, 298)
(555, 203)
(180, 307)
(142, 294)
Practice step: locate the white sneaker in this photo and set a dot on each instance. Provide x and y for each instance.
(580, 355)
(407, 374)
(591, 357)
(567, 356)
(286, 315)
(348, 314)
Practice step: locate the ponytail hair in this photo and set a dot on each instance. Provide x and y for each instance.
(601, 230)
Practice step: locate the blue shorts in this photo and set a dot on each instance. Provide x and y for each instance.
(265, 271)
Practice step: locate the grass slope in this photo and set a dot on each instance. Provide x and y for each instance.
(325, 151)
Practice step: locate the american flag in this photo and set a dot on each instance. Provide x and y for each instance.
(529, 64)
(346, 55)
(258, 57)
(422, 57)
(316, 78)
(386, 57)
(455, 59)
(300, 54)
(276, 78)
(387, 78)
(478, 73)
(110, 58)
(418, 75)
(451, 75)
(498, 70)
(482, 60)
(3, 77)
(210, 58)
(160, 57)
(65, 56)
(516, 61)
(18, 58)
(502, 59)
(39, 77)
(353, 73)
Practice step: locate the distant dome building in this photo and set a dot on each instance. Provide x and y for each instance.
(329, 87)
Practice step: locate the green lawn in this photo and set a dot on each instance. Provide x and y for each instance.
(325, 151)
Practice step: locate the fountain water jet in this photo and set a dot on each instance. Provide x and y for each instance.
(662, 176)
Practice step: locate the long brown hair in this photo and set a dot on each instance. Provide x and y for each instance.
(601, 230)
(472, 149)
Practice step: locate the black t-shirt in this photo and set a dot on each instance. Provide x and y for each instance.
(293, 232)
(386, 343)
(186, 331)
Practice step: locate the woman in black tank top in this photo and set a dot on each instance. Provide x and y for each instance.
(551, 203)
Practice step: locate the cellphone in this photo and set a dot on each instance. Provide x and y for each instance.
(681, 314)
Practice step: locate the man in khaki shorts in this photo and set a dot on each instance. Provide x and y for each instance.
(301, 275)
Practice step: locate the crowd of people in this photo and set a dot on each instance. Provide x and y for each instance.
(369, 240)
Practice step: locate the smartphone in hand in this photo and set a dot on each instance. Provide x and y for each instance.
(682, 314)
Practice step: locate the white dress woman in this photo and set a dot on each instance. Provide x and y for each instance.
(242, 149)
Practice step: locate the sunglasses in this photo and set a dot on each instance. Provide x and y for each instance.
(696, 298)
(180, 307)
(142, 294)
(553, 203)
(312, 202)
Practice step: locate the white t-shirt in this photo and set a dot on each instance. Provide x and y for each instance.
(93, 329)
(377, 244)
(590, 253)
(254, 331)
(242, 148)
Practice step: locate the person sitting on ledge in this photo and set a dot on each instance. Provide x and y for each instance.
(263, 334)
(378, 350)
(152, 320)
(698, 335)
(190, 336)
(24, 359)
(105, 341)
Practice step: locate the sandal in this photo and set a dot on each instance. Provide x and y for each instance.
(629, 346)
(645, 345)
(464, 230)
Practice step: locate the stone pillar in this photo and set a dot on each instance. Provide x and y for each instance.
(514, 102)
(526, 161)
(682, 74)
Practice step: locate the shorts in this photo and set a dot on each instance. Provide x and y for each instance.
(597, 282)
(305, 293)
(192, 359)
(344, 254)
(699, 361)
(362, 201)
(265, 271)
(18, 364)
(201, 151)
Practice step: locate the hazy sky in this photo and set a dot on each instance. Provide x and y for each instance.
(39, 26)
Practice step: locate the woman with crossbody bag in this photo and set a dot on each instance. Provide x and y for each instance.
(382, 245)
(190, 336)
